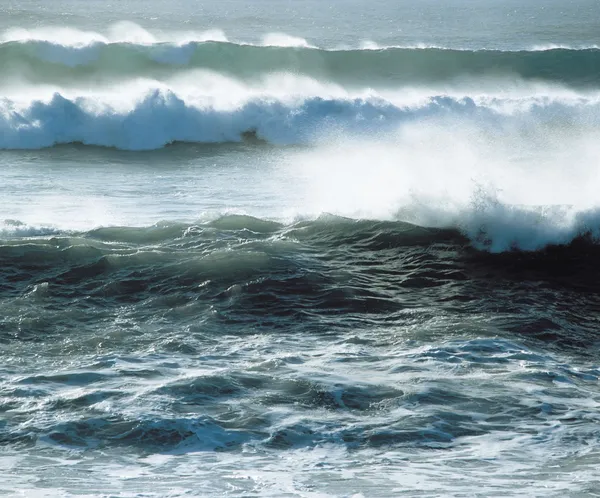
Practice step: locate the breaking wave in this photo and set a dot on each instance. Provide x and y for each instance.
(495, 228)
(161, 117)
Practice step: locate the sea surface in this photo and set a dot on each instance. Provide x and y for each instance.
(300, 248)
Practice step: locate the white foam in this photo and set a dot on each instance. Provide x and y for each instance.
(503, 191)
(151, 115)
(561, 46)
(14, 228)
(372, 45)
(284, 40)
(125, 31)
(130, 32)
(57, 35)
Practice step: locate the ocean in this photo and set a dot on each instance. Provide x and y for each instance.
(293, 248)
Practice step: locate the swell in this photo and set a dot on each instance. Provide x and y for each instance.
(45, 61)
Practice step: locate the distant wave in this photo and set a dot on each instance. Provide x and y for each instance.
(51, 61)
(132, 33)
(161, 117)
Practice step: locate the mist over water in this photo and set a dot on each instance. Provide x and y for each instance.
(299, 249)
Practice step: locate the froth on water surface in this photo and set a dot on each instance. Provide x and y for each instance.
(299, 249)
(174, 349)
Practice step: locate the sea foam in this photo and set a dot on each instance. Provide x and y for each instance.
(160, 117)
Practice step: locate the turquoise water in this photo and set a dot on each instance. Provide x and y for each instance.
(299, 249)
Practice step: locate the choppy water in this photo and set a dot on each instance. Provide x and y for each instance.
(299, 249)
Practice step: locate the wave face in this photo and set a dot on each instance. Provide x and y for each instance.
(47, 61)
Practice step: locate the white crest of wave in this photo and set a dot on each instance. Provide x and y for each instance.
(203, 106)
(125, 31)
(59, 211)
(284, 40)
(184, 37)
(119, 32)
(372, 45)
(561, 46)
(58, 35)
(161, 117)
(14, 228)
(503, 192)
(130, 32)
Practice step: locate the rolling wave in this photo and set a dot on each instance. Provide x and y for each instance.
(52, 61)
(503, 229)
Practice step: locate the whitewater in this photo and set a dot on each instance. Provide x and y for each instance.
(299, 249)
